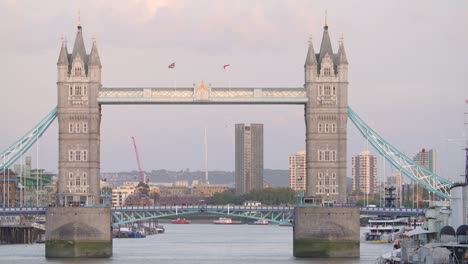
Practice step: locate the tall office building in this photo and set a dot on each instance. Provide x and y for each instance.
(249, 157)
(426, 159)
(297, 171)
(364, 172)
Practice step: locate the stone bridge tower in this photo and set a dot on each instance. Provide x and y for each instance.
(79, 117)
(326, 114)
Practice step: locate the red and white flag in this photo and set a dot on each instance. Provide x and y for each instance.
(171, 66)
(225, 66)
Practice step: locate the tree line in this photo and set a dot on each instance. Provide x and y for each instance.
(267, 196)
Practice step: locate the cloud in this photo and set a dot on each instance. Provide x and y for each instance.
(138, 11)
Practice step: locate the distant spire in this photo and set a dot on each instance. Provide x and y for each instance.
(79, 20)
(78, 46)
(342, 59)
(94, 59)
(63, 56)
(326, 19)
(310, 59)
(326, 46)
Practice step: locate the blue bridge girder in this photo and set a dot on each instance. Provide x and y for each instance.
(274, 214)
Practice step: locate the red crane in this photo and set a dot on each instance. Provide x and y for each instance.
(142, 177)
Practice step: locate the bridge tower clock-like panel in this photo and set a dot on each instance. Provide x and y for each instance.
(79, 117)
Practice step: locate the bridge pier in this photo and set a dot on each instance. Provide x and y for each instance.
(74, 232)
(326, 232)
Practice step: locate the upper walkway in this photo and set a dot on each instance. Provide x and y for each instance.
(202, 95)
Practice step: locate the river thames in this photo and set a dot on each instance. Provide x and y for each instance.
(198, 243)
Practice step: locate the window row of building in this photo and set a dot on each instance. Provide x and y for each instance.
(77, 155)
(78, 183)
(327, 155)
(77, 90)
(78, 127)
(327, 90)
(326, 128)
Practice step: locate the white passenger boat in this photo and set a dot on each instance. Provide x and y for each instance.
(384, 230)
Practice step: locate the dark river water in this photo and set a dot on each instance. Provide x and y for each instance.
(198, 243)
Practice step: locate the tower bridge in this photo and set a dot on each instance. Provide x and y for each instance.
(324, 95)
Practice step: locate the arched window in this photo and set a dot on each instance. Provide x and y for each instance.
(77, 90)
(70, 175)
(333, 155)
(320, 127)
(85, 128)
(327, 71)
(71, 155)
(333, 175)
(333, 128)
(85, 155)
(78, 155)
(70, 90)
(327, 180)
(327, 155)
(327, 128)
(78, 128)
(70, 127)
(78, 180)
(320, 155)
(85, 90)
(327, 90)
(334, 91)
(85, 175)
(320, 175)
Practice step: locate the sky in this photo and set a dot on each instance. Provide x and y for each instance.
(408, 64)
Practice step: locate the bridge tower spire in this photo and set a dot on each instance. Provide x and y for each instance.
(326, 83)
(79, 116)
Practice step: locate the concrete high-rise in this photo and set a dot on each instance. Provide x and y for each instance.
(426, 159)
(326, 83)
(249, 157)
(298, 171)
(364, 172)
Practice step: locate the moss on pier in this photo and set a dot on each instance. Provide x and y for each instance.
(314, 248)
(76, 249)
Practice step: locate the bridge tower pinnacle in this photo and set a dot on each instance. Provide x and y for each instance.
(326, 83)
(79, 116)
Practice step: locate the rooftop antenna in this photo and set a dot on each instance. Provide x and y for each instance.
(464, 143)
(206, 159)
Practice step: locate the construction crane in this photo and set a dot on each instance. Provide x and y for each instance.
(142, 176)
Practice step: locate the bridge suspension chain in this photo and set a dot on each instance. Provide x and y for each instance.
(428, 180)
(10, 155)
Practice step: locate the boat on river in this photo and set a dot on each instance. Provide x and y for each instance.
(261, 222)
(384, 230)
(180, 221)
(226, 221)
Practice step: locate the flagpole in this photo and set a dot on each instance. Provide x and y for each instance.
(175, 78)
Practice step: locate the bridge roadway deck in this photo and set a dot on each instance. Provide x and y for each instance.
(220, 208)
